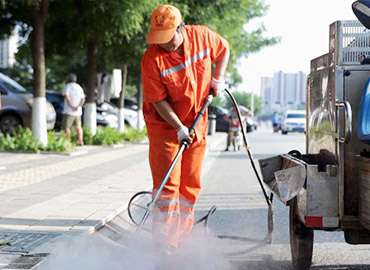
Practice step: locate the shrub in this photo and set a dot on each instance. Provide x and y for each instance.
(87, 136)
(22, 140)
(134, 135)
(58, 143)
(107, 136)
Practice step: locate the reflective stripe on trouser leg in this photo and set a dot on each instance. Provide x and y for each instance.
(166, 210)
(166, 223)
(190, 184)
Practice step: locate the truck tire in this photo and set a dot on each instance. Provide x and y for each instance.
(284, 132)
(301, 240)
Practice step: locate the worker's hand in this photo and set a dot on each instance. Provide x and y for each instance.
(217, 86)
(183, 134)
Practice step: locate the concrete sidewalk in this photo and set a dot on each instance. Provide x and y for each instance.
(47, 196)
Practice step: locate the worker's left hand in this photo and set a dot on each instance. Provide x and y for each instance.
(217, 86)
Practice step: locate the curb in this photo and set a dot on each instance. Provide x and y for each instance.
(101, 224)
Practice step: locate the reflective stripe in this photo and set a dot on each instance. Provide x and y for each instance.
(166, 202)
(186, 204)
(187, 215)
(188, 62)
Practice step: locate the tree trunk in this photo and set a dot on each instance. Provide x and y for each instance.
(39, 126)
(121, 115)
(90, 106)
(92, 50)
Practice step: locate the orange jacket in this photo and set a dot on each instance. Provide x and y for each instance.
(182, 80)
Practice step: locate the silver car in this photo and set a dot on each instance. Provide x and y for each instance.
(16, 106)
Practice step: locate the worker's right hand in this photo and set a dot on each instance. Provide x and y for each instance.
(183, 134)
(217, 86)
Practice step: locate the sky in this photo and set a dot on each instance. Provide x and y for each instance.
(303, 27)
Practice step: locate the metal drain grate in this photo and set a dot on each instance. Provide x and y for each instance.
(22, 242)
(26, 261)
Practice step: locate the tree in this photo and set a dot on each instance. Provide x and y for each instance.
(31, 15)
(218, 101)
(93, 24)
(126, 54)
(245, 99)
(103, 35)
(229, 18)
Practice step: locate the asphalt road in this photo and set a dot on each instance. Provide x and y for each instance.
(230, 185)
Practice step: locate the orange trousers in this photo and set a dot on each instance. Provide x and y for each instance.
(173, 214)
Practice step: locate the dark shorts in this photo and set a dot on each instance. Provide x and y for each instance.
(70, 120)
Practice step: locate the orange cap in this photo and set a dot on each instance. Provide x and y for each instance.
(164, 21)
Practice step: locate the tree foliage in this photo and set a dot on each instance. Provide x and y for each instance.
(245, 99)
(118, 29)
(229, 18)
(30, 17)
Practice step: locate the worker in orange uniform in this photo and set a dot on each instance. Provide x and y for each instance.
(177, 77)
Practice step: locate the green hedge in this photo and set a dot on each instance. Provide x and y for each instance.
(109, 136)
(22, 139)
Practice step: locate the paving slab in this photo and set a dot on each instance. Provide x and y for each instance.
(69, 195)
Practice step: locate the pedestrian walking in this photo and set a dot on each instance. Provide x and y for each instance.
(74, 98)
(177, 77)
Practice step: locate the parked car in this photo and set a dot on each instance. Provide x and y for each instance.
(130, 103)
(57, 100)
(108, 110)
(16, 106)
(223, 116)
(294, 121)
(106, 113)
(222, 122)
(250, 124)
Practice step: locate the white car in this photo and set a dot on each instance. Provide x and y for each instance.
(294, 121)
(131, 118)
(107, 115)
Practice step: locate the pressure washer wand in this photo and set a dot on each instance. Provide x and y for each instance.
(184, 144)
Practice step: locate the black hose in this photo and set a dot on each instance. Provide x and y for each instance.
(236, 107)
(270, 220)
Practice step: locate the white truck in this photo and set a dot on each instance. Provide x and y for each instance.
(328, 187)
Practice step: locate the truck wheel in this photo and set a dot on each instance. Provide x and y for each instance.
(284, 132)
(301, 240)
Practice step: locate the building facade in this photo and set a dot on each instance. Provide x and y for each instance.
(283, 91)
